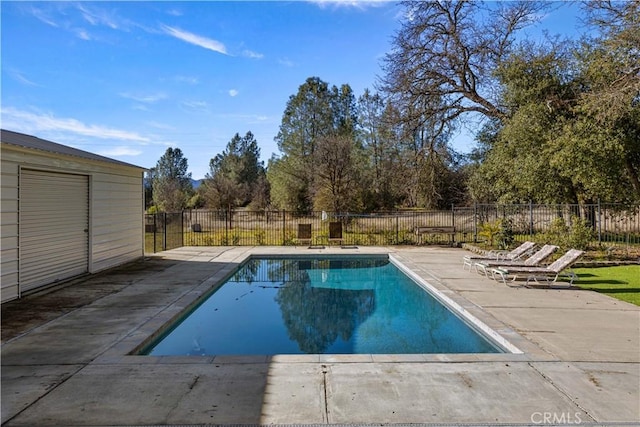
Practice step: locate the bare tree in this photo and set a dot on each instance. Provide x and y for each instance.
(614, 58)
(446, 52)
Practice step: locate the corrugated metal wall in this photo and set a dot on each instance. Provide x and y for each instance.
(54, 227)
(109, 203)
(9, 230)
(116, 218)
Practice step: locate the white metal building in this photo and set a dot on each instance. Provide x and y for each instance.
(64, 212)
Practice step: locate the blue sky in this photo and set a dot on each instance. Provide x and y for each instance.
(129, 79)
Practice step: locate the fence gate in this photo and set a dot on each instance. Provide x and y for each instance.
(163, 231)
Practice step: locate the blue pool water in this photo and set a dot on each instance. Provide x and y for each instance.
(347, 305)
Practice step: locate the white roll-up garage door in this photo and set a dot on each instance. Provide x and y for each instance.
(53, 230)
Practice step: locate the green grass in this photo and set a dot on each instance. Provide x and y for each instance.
(621, 282)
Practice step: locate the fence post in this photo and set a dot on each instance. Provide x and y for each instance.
(453, 215)
(397, 228)
(182, 228)
(530, 219)
(453, 219)
(226, 226)
(155, 231)
(164, 232)
(475, 222)
(599, 223)
(284, 226)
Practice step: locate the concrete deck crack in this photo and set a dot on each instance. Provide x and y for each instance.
(190, 387)
(324, 392)
(193, 384)
(550, 381)
(47, 392)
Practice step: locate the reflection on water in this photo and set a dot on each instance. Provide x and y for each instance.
(326, 305)
(316, 318)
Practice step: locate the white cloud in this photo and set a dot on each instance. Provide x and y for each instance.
(187, 79)
(249, 118)
(233, 92)
(28, 122)
(19, 77)
(358, 4)
(120, 151)
(198, 106)
(82, 34)
(74, 17)
(95, 16)
(174, 12)
(162, 126)
(195, 39)
(147, 99)
(42, 16)
(251, 54)
(286, 62)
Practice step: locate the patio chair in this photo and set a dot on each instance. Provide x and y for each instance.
(554, 270)
(533, 261)
(304, 233)
(514, 254)
(335, 232)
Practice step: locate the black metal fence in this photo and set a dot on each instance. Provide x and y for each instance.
(610, 225)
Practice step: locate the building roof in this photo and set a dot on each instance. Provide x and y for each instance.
(35, 143)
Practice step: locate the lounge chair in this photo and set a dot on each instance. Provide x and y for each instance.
(515, 254)
(554, 270)
(533, 261)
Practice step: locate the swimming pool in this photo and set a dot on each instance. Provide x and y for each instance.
(319, 305)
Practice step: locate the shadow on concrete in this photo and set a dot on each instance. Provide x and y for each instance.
(24, 314)
(64, 362)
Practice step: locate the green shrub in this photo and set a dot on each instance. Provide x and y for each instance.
(576, 236)
(490, 230)
(235, 239)
(372, 239)
(289, 238)
(208, 240)
(389, 237)
(557, 232)
(505, 235)
(260, 236)
(405, 237)
(580, 234)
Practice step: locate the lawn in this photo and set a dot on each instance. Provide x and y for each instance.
(621, 282)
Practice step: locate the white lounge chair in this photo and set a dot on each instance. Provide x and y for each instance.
(554, 270)
(533, 261)
(514, 254)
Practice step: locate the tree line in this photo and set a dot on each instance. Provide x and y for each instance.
(558, 120)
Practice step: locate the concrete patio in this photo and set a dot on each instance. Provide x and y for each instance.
(65, 356)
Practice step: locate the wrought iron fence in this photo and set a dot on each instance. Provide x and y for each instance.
(610, 224)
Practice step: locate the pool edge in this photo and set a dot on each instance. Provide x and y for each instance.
(471, 320)
(125, 350)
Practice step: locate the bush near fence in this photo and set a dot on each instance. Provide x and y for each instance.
(611, 226)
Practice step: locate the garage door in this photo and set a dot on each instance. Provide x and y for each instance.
(53, 231)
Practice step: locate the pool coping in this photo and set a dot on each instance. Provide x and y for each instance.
(517, 347)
